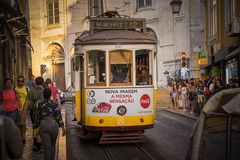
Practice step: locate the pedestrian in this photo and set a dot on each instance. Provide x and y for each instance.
(22, 91)
(10, 100)
(10, 139)
(231, 84)
(212, 86)
(192, 96)
(183, 92)
(50, 120)
(207, 81)
(35, 95)
(218, 86)
(31, 82)
(200, 97)
(174, 94)
(54, 90)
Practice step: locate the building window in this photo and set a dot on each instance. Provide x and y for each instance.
(95, 7)
(144, 3)
(213, 18)
(53, 12)
(228, 13)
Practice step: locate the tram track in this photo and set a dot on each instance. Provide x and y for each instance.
(145, 151)
(127, 151)
(107, 152)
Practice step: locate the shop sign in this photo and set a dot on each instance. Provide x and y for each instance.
(203, 58)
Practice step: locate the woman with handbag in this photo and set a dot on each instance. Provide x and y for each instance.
(10, 100)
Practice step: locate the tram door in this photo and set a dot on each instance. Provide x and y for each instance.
(59, 76)
(81, 59)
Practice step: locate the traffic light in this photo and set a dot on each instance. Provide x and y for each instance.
(183, 59)
(43, 68)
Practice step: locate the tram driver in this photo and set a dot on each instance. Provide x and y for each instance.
(119, 73)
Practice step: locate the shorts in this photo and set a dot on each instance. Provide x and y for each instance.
(174, 94)
(201, 99)
(183, 94)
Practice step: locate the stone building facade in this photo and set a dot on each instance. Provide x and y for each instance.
(56, 23)
(15, 49)
(222, 38)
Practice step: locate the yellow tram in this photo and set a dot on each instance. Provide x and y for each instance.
(114, 66)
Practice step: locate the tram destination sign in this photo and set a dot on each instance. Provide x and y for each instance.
(119, 23)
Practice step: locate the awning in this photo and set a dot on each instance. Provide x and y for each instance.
(15, 18)
(233, 53)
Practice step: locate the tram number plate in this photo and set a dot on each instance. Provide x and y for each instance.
(91, 100)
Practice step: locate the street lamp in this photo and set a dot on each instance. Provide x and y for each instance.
(176, 6)
(52, 59)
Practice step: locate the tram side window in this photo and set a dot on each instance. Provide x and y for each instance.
(120, 67)
(143, 68)
(96, 67)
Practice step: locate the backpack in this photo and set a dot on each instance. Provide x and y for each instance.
(36, 96)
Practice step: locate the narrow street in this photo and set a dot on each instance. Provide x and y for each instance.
(169, 140)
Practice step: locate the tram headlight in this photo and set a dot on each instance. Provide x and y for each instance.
(141, 120)
(121, 110)
(101, 121)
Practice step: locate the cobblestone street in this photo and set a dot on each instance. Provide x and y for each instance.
(29, 154)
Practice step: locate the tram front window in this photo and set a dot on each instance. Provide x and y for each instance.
(143, 68)
(120, 73)
(96, 67)
(121, 67)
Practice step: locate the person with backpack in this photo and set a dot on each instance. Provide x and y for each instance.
(35, 95)
(50, 120)
(10, 100)
(22, 91)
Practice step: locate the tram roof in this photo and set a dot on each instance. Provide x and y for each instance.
(115, 36)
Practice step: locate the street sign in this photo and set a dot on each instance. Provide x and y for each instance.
(183, 73)
(203, 58)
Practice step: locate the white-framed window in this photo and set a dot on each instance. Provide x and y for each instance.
(95, 7)
(53, 11)
(143, 67)
(96, 63)
(144, 3)
(120, 67)
(213, 19)
(228, 14)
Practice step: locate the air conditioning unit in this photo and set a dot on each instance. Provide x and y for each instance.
(234, 28)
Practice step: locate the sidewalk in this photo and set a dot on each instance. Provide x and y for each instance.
(164, 102)
(28, 153)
